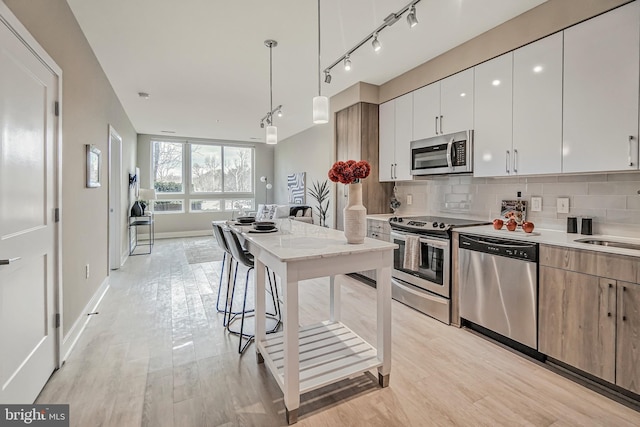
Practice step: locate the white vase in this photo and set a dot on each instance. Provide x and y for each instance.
(355, 216)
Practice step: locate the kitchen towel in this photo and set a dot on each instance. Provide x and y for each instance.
(412, 253)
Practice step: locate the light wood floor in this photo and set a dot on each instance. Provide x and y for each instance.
(157, 355)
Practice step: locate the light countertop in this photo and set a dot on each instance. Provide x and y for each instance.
(555, 238)
(297, 241)
(381, 217)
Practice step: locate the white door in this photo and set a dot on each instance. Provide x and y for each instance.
(404, 136)
(456, 102)
(28, 91)
(426, 111)
(537, 107)
(387, 114)
(601, 92)
(493, 120)
(115, 195)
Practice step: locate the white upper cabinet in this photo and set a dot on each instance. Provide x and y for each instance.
(396, 134)
(601, 78)
(404, 136)
(493, 117)
(537, 107)
(387, 140)
(444, 107)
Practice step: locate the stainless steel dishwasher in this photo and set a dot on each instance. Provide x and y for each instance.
(499, 286)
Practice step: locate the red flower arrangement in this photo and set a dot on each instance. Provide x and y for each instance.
(349, 172)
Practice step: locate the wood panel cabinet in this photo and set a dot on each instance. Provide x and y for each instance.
(444, 107)
(589, 315)
(357, 139)
(600, 111)
(396, 133)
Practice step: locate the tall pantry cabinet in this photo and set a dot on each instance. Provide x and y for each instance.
(357, 138)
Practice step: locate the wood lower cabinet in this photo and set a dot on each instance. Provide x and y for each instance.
(357, 139)
(576, 323)
(589, 321)
(628, 337)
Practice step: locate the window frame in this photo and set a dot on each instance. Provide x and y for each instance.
(188, 195)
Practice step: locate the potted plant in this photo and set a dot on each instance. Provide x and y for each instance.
(320, 192)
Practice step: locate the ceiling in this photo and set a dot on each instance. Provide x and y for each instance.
(206, 68)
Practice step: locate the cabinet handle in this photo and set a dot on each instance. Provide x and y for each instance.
(436, 125)
(609, 300)
(9, 261)
(630, 141)
(506, 164)
(395, 171)
(391, 171)
(441, 117)
(624, 318)
(515, 160)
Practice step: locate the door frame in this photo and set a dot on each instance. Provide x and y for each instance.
(15, 26)
(114, 239)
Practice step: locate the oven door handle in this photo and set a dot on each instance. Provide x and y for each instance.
(443, 244)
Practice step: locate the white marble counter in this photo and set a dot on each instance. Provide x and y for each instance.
(381, 217)
(556, 238)
(297, 241)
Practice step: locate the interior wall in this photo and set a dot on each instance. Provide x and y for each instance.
(543, 20)
(185, 224)
(310, 151)
(89, 105)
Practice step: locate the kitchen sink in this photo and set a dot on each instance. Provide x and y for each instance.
(613, 244)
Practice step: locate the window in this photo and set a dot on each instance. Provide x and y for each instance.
(166, 166)
(219, 177)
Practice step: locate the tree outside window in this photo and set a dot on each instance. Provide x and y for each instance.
(166, 162)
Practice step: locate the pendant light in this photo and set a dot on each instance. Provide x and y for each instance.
(272, 131)
(320, 103)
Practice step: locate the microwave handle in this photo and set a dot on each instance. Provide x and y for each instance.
(449, 160)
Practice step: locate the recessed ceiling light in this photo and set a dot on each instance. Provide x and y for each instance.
(144, 95)
(496, 82)
(168, 131)
(537, 69)
(255, 139)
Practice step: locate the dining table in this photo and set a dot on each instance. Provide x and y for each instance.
(308, 357)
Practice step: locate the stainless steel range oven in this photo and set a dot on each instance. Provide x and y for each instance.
(424, 283)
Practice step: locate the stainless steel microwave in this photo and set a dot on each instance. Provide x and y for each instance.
(443, 154)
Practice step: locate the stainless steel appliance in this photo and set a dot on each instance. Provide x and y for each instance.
(443, 154)
(499, 286)
(427, 286)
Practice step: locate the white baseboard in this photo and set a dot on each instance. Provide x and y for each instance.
(70, 340)
(174, 234)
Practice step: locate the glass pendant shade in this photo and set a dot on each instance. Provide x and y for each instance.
(320, 109)
(272, 135)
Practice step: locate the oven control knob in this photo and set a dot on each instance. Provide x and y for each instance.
(435, 224)
(400, 219)
(442, 225)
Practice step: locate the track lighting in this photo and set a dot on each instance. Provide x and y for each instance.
(279, 113)
(376, 44)
(411, 17)
(347, 63)
(391, 19)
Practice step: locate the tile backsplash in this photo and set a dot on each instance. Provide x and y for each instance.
(612, 200)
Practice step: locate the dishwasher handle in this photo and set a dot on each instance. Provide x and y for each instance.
(526, 251)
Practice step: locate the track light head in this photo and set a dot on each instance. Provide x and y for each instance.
(347, 63)
(327, 77)
(411, 17)
(262, 124)
(376, 44)
(279, 113)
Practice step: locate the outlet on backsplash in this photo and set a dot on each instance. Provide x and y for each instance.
(536, 204)
(409, 199)
(562, 205)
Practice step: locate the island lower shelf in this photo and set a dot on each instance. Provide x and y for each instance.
(329, 352)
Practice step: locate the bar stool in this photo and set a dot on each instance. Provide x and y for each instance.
(244, 258)
(217, 233)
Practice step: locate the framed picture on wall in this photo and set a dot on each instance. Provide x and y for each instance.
(295, 185)
(94, 166)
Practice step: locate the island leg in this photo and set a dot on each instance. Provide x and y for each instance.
(291, 360)
(334, 291)
(260, 308)
(383, 289)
